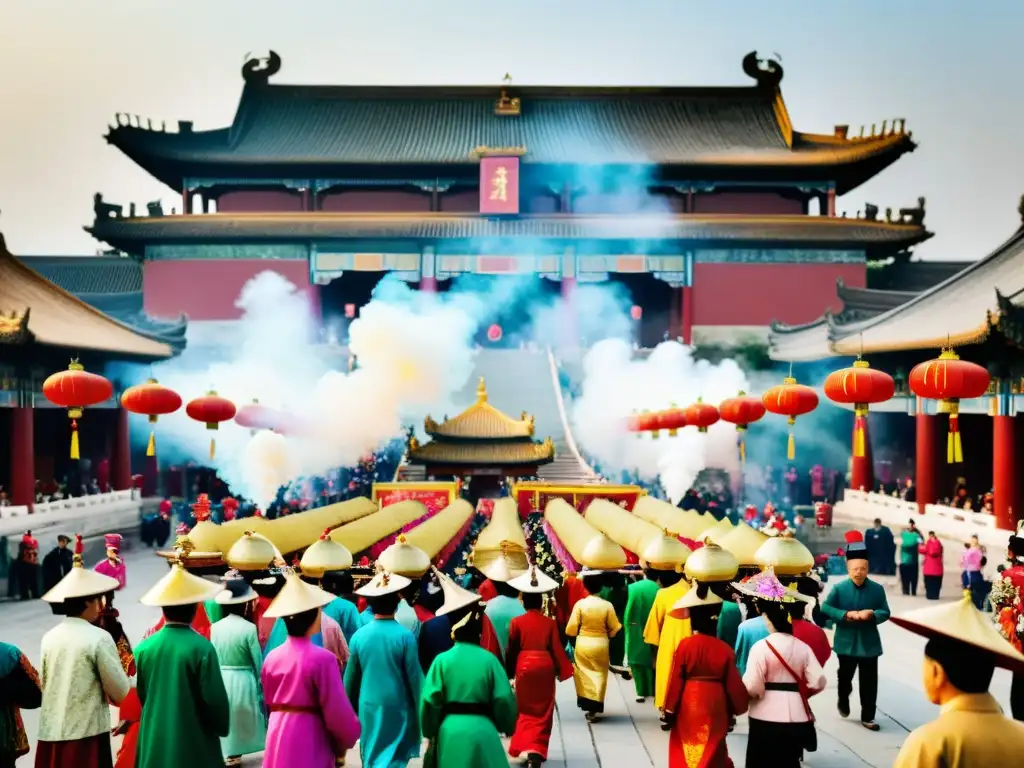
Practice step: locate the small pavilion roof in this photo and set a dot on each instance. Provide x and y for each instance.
(481, 421)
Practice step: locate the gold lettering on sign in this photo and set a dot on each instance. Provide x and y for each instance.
(499, 184)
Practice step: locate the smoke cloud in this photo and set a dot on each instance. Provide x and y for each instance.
(616, 385)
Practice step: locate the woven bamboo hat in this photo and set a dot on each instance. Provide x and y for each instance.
(81, 582)
(455, 597)
(681, 609)
(179, 587)
(533, 582)
(296, 596)
(963, 623)
(403, 559)
(384, 583)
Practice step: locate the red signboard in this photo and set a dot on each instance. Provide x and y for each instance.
(434, 496)
(499, 185)
(534, 496)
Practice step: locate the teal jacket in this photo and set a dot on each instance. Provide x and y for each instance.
(857, 638)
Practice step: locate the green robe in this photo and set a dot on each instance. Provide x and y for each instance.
(501, 610)
(213, 611)
(729, 623)
(241, 661)
(618, 596)
(639, 601)
(185, 710)
(467, 674)
(857, 638)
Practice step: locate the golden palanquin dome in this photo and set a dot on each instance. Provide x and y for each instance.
(481, 436)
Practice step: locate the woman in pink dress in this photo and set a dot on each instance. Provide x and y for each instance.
(971, 563)
(312, 723)
(113, 566)
(932, 567)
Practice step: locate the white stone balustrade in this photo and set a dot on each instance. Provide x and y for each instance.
(93, 515)
(947, 522)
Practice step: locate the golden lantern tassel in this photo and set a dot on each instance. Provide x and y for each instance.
(791, 444)
(151, 446)
(954, 446)
(74, 439)
(213, 448)
(743, 451)
(859, 436)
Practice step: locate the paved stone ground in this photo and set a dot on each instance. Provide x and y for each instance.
(629, 734)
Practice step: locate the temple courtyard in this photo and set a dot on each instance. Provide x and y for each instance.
(629, 734)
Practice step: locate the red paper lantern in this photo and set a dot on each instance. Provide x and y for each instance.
(791, 400)
(256, 416)
(672, 419)
(151, 399)
(76, 389)
(949, 380)
(211, 409)
(494, 333)
(701, 415)
(645, 422)
(742, 411)
(860, 385)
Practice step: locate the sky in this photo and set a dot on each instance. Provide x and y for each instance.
(952, 69)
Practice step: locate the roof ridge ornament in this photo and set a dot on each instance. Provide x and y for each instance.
(481, 391)
(767, 72)
(507, 106)
(259, 71)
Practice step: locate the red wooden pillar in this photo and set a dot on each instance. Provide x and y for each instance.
(686, 315)
(186, 201)
(831, 201)
(23, 457)
(925, 461)
(1004, 462)
(122, 474)
(862, 470)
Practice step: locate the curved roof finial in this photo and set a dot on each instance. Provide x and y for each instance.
(481, 391)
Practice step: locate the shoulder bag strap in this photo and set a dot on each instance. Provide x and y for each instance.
(801, 686)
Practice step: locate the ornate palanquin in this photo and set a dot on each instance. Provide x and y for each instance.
(533, 496)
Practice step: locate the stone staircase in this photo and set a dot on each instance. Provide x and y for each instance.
(524, 380)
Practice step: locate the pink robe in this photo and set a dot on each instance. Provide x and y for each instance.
(932, 564)
(311, 719)
(334, 641)
(119, 571)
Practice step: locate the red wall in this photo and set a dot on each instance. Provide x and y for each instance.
(208, 289)
(375, 201)
(745, 202)
(461, 201)
(259, 201)
(756, 294)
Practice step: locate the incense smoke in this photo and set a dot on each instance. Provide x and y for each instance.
(616, 385)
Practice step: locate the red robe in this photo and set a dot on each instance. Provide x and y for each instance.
(705, 690)
(566, 597)
(815, 638)
(130, 713)
(487, 591)
(535, 658)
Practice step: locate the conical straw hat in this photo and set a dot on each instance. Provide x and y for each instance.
(502, 564)
(296, 596)
(179, 587)
(403, 559)
(455, 597)
(692, 600)
(383, 583)
(81, 582)
(325, 555)
(534, 581)
(962, 622)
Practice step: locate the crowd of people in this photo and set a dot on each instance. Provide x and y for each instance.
(302, 665)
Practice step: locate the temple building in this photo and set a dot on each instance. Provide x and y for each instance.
(42, 328)
(481, 443)
(979, 311)
(716, 214)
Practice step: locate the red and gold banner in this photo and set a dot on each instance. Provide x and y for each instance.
(435, 496)
(534, 496)
(499, 185)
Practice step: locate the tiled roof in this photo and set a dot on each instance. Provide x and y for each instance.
(297, 126)
(960, 310)
(481, 421)
(442, 226)
(914, 276)
(88, 274)
(127, 308)
(56, 318)
(493, 453)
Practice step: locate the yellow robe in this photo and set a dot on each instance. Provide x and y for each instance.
(592, 623)
(970, 732)
(666, 633)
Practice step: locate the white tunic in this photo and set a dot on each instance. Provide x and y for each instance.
(81, 670)
(764, 667)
